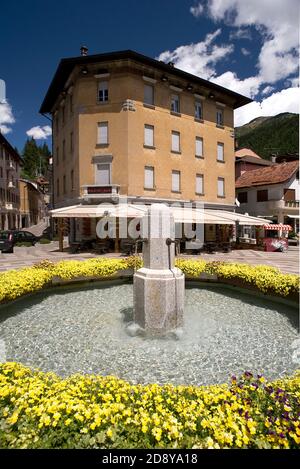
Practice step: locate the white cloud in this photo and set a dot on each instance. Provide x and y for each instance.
(245, 51)
(278, 23)
(283, 101)
(199, 58)
(248, 86)
(40, 133)
(267, 90)
(197, 10)
(293, 81)
(6, 118)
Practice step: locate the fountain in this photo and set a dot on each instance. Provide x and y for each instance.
(158, 287)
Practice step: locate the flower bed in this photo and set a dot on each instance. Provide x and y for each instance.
(39, 410)
(270, 280)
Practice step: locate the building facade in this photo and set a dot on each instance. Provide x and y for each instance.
(32, 203)
(10, 165)
(125, 125)
(272, 192)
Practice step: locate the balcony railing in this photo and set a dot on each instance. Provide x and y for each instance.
(95, 191)
(291, 203)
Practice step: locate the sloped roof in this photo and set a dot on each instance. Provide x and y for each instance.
(270, 175)
(246, 152)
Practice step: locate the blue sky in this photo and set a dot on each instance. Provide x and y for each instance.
(250, 47)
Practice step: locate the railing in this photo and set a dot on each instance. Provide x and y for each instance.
(291, 203)
(100, 190)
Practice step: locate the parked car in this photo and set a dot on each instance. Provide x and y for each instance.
(9, 238)
(6, 241)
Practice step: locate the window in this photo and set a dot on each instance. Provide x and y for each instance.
(242, 197)
(175, 103)
(72, 180)
(149, 95)
(198, 110)
(64, 184)
(175, 181)
(71, 142)
(57, 187)
(103, 91)
(199, 184)
(175, 142)
(199, 146)
(102, 138)
(221, 187)
(220, 152)
(149, 177)
(63, 114)
(64, 149)
(149, 136)
(262, 195)
(102, 174)
(57, 155)
(220, 117)
(71, 103)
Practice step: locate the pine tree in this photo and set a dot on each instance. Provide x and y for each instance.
(35, 159)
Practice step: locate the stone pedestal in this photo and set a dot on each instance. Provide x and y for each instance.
(158, 286)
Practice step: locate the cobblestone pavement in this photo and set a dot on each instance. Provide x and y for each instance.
(26, 256)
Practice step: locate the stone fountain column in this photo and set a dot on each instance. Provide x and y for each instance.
(158, 286)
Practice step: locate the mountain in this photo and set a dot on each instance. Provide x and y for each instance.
(266, 135)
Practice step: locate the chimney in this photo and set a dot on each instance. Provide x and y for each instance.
(273, 158)
(83, 50)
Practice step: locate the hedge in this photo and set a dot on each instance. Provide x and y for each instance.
(15, 283)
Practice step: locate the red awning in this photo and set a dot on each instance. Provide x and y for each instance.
(280, 226)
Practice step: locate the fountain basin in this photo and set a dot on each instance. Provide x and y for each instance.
(83, 329)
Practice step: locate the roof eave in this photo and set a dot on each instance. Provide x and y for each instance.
(69, 63)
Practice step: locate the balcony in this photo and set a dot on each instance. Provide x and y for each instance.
(11, 185)
(96, 191)
(291, 203)
(10, 165)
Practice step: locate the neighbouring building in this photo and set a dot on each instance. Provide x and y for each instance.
(10, 165)
(126, 125)
(272, 192)
(32, 203)
(247, 160)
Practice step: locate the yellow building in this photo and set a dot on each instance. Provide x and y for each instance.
(10, 165)
(126, 125)
(32, 205)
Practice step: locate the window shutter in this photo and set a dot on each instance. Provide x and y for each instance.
(221, 189)
(149, 177)
(199, 184)
(103, 174)
(176, 181)
(103, 132)
(220, 152)
(149, 135)
(175, 141)
(199, 146)
(148, 94)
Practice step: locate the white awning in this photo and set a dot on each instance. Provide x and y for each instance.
(181, 214)
(240, 218)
